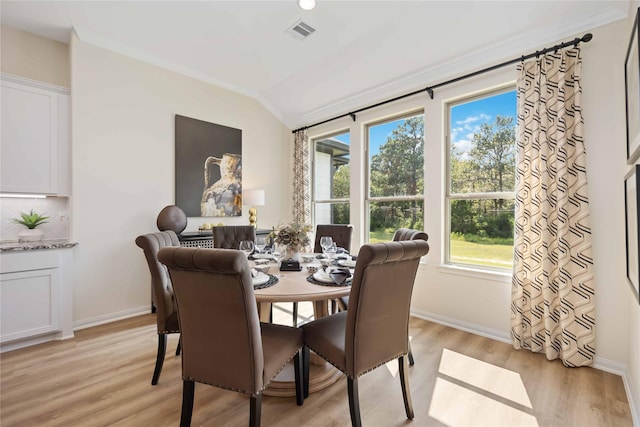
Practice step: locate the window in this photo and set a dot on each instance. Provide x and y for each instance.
(331, 179)
(396, 176)
(481, 180)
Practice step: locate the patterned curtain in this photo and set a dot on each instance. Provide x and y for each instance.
(553, 304)
(301, 183)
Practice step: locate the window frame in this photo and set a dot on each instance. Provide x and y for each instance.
(312, 178)
(449, 196)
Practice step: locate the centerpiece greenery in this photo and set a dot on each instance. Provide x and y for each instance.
(294, 236)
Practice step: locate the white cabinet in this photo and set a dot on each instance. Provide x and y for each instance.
(35, 297)
(34, 292)
(35, 138)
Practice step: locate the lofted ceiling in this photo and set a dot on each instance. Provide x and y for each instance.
(361, 52)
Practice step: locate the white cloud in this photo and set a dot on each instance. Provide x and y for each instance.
(472, 119)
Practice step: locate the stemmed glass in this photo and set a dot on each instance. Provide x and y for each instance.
(330, 252)
(261, 243)
(246, 246)
(325, 242)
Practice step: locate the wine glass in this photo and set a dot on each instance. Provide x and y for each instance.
(278, 253)
(330, 251)
(325, 242)
(261, 243)
(246, 246)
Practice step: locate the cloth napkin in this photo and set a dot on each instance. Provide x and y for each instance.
(339, 275)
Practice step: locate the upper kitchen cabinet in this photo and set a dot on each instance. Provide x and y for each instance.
(35, 154)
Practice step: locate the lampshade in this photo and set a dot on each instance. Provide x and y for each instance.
(253, 197)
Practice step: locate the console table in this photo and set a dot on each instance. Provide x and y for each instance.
(204, 238)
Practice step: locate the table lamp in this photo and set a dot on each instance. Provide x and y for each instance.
(253, 198)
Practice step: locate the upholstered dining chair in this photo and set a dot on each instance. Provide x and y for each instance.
(341, 234)
(230, 236)
(375, 329)
(161, 292)
(223, 342)
(399, 235)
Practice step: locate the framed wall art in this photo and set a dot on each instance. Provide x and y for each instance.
(631, 200)
(632, 94)
(208, 168)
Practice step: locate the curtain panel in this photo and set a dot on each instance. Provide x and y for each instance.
(553, 303)
(301, 183)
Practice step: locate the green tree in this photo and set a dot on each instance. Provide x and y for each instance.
(341, 183)
(398, 170)
(493, 155)
(488, 167)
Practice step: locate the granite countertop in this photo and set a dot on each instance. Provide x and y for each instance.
(14, 245)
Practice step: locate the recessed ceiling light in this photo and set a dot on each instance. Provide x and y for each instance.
(307, 4)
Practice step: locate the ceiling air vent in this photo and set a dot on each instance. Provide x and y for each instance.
(300, 30)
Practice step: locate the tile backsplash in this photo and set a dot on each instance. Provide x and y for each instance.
(56, 208)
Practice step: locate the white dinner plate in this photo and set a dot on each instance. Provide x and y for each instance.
(347, 263)
(323, 277)
(260, 279)
(262, 256)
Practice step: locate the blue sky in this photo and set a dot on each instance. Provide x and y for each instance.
(465, 120)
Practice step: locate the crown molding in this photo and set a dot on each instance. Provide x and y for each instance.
(34, 83)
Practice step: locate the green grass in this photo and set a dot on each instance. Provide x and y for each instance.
(378, 236)
(489, 254)
(479, 251)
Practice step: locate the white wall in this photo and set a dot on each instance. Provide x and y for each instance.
(123, 168)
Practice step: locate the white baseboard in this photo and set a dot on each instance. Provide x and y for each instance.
(633, 396)
(606, 365)
(472, 328)
(111, 317)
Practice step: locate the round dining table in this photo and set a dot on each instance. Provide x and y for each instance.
(293, 286)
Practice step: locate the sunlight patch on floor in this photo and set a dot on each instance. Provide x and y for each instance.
(489, 393)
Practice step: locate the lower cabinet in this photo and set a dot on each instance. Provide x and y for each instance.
(35, 297)
(30, 304)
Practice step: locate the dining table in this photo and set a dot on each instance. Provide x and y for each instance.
(294, 286)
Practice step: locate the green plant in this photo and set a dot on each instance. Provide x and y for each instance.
(31, 220)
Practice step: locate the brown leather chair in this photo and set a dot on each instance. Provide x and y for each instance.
(375, 329)
(399, 235)
(230, 236)
(161, 292)
(341, 234)
(224, 344)
(409, 234)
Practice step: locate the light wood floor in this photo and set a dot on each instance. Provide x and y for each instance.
(103, 377)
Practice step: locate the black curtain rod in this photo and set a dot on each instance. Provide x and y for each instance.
(429, 89)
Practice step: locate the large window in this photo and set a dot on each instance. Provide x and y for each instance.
(395, 154)
(481, 180)
(331, 179)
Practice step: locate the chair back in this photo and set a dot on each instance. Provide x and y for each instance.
(378, 317)
(409, 234)
(161, 290)
(341, 234)
(217, 309)
(230, 236)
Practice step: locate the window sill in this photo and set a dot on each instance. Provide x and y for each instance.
(477, 273)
